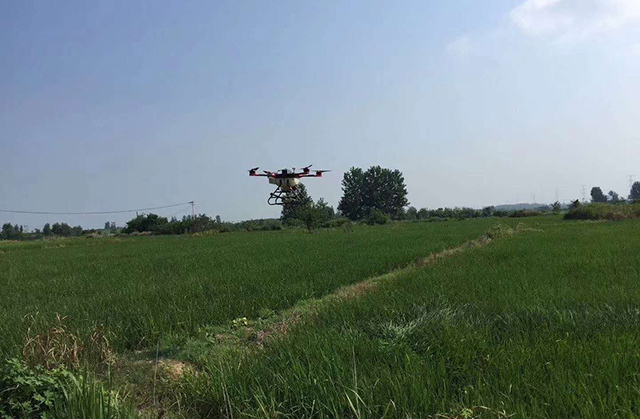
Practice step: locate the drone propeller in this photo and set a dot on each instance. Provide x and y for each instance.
(307, 167)
(322, 171)
(253, 170)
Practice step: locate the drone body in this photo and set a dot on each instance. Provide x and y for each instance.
(286, 182)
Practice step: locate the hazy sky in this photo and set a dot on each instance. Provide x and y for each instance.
(108, 105)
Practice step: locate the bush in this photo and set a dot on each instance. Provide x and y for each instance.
(337, 222)
(598, 211)
(377, 217)
(523, 213)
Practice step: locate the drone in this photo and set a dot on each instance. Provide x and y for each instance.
(286, 182)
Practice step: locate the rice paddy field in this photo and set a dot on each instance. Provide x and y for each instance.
(543, 320)
(143, 288)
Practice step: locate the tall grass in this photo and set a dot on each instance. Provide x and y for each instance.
(87, 398)
(539, 324)
(138, 290)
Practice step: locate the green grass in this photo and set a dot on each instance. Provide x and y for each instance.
(147, 288)
(539, 324)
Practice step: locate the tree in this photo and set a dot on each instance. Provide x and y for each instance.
(7, 232)
(61, 229)
(556, 207)
(325, 211)
(148, 222)
(614, 198)
(352, 203)
(488, 211)
(107, 225)
(312, 215)
(377, 188)
(574, 204)
(597, 195)
(46, 230)
(411, 214)
(297, 211)
(635, 192)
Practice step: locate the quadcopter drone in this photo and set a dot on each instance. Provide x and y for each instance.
(286, 182)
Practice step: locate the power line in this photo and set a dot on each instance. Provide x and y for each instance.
(95, 212)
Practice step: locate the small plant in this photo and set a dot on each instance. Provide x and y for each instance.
(29, 392)
(240, 322)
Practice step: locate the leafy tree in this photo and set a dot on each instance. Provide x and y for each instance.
(574, 204)
(411, 214)
(614, 198)
(146, 222)
(352, 203)
(7, 231)
(107, 225)
(423, 214)
(635, 192)
(488, 211)
(46, 230)
(597, 195)
(297, 211)
(61, 229)
(377, 188)
(312, 215)
(556, 207)
(325, 211)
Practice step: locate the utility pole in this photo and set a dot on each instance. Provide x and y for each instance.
(193, 210)
(584, 193)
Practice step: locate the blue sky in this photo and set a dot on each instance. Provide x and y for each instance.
(109, 105)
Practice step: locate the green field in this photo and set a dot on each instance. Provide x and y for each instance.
(143, 288)
(544, 322)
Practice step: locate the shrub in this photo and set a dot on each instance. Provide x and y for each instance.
(523, 213)
(377, 217)
(598, 211)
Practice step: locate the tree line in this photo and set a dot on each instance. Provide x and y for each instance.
(613, 197)
(17, 232)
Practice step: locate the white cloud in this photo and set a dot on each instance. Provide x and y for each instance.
(460, 47)
(573, 20)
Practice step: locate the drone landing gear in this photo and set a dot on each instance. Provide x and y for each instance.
(284, 197)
